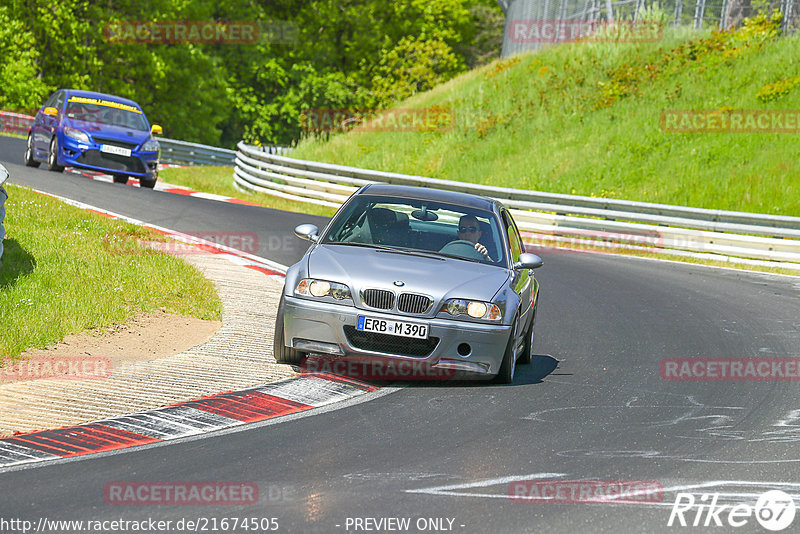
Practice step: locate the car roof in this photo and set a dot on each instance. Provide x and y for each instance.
(101, 96)
(435, 195)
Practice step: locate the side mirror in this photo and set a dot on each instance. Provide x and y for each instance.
(528, 261)
(53, 112)
(156, 130)
(307, 231)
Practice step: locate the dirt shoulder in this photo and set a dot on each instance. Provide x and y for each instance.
(145, 337)
(157, 359)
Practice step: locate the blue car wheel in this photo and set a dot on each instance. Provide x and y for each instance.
(52, 157)
(29, 161)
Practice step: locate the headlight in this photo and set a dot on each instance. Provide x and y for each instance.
(151, 145)
(76, 134)
(309, 287)
(474, 308)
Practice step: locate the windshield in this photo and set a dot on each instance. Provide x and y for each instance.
(421, 226)
(106, 114)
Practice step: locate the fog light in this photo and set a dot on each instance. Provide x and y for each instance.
(318, 346)
(464, 349)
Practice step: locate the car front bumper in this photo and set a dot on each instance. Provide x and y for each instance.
(74, 153)
(328, 331)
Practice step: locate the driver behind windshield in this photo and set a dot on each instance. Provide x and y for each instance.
(470, 230)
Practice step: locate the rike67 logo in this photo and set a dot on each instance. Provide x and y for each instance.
(774, 511)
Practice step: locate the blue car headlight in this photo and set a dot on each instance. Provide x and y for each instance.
(78, 135)
(476, 309)
(151, 145)
(310, 287)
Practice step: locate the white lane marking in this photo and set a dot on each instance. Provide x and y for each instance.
(450, 489)
(395, 476)
(727, 496)
(160, 186)
(210, 196)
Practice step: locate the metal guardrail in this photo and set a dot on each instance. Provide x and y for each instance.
(552, 219)
(15, 122)
(185, 153)
(3, 198)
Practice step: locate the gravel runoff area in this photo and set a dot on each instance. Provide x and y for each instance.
(238, 356)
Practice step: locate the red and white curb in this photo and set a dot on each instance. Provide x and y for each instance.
(250, 261)
(161, 186)
(217, 412)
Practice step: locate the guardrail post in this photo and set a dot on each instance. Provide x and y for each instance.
(699, 12)
(3, 197)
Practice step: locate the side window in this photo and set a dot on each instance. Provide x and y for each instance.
(513, 236)
(60, 101)
(51, 102)
(518, 234)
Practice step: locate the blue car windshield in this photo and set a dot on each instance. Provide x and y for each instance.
(420, 226)
(102, 114)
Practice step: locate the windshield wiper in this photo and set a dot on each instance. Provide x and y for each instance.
(368, 245)
(403, 250)
(442, 255)
(412, 252)
(396, 250)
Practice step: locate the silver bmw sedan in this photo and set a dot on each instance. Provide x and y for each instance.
(411, 283)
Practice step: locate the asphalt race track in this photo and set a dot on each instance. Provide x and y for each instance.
(177, 212)
(445, 456)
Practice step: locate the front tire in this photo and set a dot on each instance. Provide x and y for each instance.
(148, 184)
(120, 179)
(282, 353)
(29, 161)
(506, 373)
(527, 351)
(52, 157)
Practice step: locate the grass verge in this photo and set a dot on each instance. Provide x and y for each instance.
(586, 119)
(59, 276)
(219, 181)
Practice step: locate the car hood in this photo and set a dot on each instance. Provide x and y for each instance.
(437, 277)
(108, 131)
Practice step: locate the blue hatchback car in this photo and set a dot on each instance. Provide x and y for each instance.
(94, 131)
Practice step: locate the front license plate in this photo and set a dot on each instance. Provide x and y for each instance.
(395, 328)
(111, 149)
